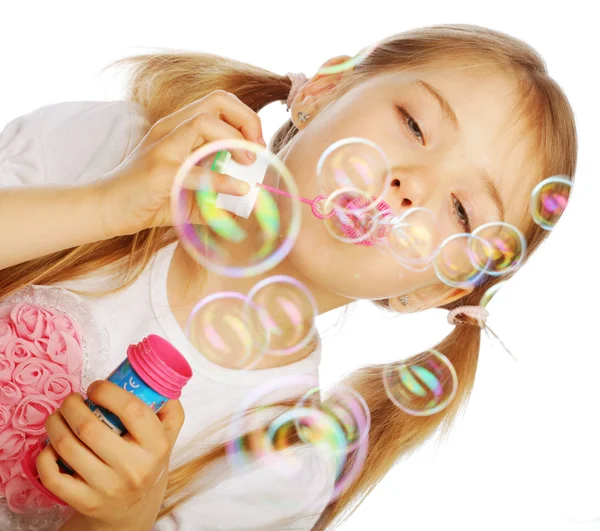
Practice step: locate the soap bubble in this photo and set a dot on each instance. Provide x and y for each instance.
(228, 245)
(347, 406)
(349, 410)
(347, 221)
(226, 329)
(288, 311)
(414, 238)
(549, 200)
(350, 63)
(270, 428)
(337, 427)
(355, 164)
(456, 264)
(503, 250)
(423, 386)
(489, 294)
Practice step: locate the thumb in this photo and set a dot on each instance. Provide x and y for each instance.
(171, 416)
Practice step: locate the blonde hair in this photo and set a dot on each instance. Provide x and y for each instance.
(165, 82)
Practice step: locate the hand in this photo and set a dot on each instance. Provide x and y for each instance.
(120, 482)
(136, 194)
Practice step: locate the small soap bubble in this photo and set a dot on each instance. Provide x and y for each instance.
(288, 311)
(423, 386)
(503, 250)
(350, 63)
(355, 164)
(229, 245)
(455, 263)
(549, 200)
(489, 294)
(414, 238)
(226, 329)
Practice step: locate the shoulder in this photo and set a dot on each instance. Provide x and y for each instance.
(69, 142)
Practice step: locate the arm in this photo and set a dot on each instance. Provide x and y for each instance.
(37, 221)
(50, 161)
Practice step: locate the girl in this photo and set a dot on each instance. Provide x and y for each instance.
(470, 122)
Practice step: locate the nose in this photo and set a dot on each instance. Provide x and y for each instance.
(407, 191)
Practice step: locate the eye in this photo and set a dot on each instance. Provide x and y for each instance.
(412, 125)
(461, 214)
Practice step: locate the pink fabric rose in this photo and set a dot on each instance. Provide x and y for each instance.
(62, 323)
(31, 375)
(10, 394)
(20, 494)
(5, 418)
(19, 350)
(58, 386)
(31, 413)
(11, 443)
(65, 350)
(30, 320)
(6, 369)
(7, 332)
(9, 468)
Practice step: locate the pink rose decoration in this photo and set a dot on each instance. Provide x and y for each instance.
(31, 375)
(64, 349)
(31, 413)
(7, 332)
(30, 320)
(9, 468)
(20, 494)
(10, 394)
(41, 361)
(5, 418)
(11, 443)
(19, 350)
(6, 369)
(62, 323)
(59, 386)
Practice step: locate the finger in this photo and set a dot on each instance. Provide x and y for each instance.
(71, 489)
(92, 432)
(172, 418)
(222, 105)
(201, 178)
(139, 420)
(202, 128)
(76, 454)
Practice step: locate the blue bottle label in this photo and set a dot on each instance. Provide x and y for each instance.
(125, 376)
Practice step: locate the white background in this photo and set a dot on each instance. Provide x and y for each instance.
(525, 455)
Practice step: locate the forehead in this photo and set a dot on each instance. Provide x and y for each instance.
(492, 136)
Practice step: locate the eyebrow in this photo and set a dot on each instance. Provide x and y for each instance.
(492, 190)
(450, 115)
(447, 111)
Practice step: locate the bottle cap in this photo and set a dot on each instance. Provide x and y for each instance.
(160, 365)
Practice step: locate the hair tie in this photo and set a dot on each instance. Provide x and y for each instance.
(298, 80)
(474, 312)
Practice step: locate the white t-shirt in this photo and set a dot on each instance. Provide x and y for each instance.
(80, 141)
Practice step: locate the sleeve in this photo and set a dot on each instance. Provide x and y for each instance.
(261, 497)
(70, 142)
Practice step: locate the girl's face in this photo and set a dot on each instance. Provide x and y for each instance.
(461, 155)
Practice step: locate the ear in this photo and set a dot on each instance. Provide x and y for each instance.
(308, 100)
(429, 297)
